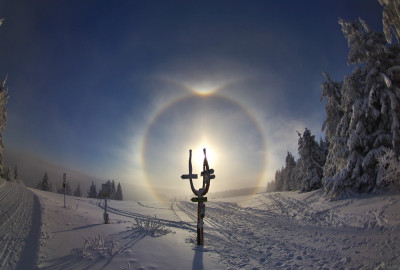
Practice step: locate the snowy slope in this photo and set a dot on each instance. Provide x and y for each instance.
(265, 231)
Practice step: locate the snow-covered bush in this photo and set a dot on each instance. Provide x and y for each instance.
(150, 226)
(389, 170)
(97, 246)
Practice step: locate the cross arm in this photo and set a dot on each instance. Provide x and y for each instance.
(189, 176)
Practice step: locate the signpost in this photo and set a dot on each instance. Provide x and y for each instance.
(65, 187)
(207, 175)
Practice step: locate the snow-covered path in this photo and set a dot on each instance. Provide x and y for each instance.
(284, 230)
(19, 227)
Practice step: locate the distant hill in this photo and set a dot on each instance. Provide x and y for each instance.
(31, 170)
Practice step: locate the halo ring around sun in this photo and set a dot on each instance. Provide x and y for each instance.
(175, 102)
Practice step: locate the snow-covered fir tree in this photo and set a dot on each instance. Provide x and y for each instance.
(285, 178)
(113, 190)
(68, 190)
(279, 179)
(334, 113)
(77, 192)
(92, 193)
(53, 187)
(45, 185)
(289, 171)
(7, 174)
(3, 118)
(118, 195)
(369, 108)
(15, 174)
(3, 114)
(310, 163)
(391, 19)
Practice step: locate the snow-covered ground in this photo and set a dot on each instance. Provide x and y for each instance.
(264, 231)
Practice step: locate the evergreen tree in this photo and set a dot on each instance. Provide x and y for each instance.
(289, 171)
(92, 193)
(53, 187)
(331, 91)
(112, 190)
(3, 118)
(8, 174)
(3, 114)
(68, 190)
(312, 158)
(285, 177)
(118, 194)
(45, 185)
(279, 179)
(77, 192)
(60, 190)
(391, 19)
(369, 109)
(15, 173)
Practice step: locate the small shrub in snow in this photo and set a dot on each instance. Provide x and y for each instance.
(97, 246)
(150, 226)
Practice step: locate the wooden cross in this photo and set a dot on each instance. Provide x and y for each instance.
(207, 175)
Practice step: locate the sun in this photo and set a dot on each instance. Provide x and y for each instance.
(198, 155)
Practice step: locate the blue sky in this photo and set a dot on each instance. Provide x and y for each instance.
(116, 89)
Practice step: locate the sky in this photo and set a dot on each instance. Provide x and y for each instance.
(123, 89)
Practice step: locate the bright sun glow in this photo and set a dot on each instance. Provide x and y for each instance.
(198, 156)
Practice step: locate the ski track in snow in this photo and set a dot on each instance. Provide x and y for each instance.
(278, 230)
(19, 227)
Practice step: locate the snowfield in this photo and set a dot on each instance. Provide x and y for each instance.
(282, 230)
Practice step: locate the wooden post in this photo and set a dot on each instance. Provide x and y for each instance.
(207, 174)
(65, 187)
(200, 223)
(105, 212)
(105, 193)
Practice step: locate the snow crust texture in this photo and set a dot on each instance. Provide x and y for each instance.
(19, 227)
